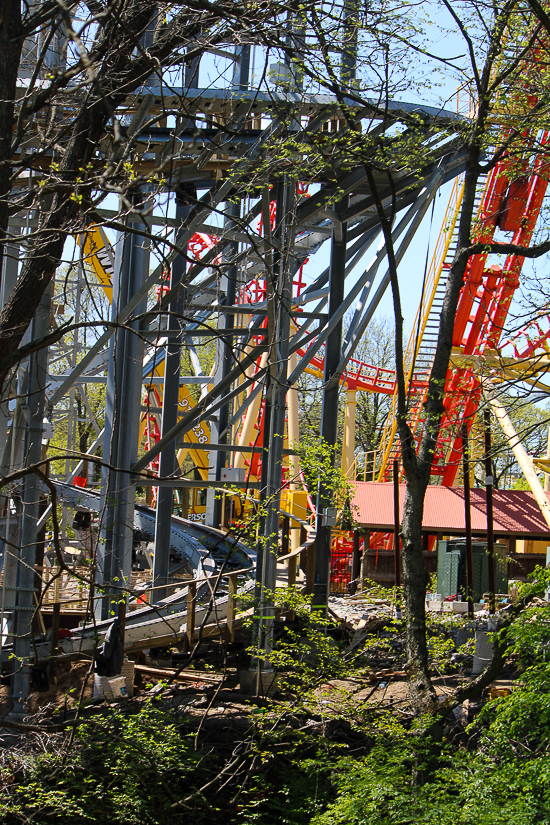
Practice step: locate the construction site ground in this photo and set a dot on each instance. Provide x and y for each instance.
(209, 685)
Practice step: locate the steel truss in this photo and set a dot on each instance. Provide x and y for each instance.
(242, 285)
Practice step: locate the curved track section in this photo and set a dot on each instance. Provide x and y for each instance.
(204, 551)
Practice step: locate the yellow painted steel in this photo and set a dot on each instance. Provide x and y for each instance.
(200, 434)
(96, 251)
(294, 502)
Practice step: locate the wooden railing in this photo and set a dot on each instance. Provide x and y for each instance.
(71, 590)
(305, 555)
(67, 592)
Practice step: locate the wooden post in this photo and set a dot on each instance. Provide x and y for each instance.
(148, 491)
(122, 616)
(396, 523)
(489, 503)
(310, 569)
(185, 502)
(303, 556)
(355, 562)
(231, 593)
(56, 585)
(364, 558)
(468, 522)
(40, 617)
(292, 570)
(191, 607)
(285, 537)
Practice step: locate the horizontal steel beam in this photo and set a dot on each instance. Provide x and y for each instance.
(149, 481)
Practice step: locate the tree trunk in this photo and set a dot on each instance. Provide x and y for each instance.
(421, 689)
(10, 55)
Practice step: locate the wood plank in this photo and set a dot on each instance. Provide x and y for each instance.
(184, 676)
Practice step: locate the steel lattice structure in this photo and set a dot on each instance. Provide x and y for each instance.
(246, 262)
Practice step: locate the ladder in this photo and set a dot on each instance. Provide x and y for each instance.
(420, 350)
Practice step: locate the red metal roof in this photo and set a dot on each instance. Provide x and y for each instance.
(516, 512)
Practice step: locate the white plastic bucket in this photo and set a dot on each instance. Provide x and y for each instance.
(118, 686)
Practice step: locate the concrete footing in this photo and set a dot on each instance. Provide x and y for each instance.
(262, 684)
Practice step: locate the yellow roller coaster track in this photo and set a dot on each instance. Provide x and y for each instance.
(388, 447)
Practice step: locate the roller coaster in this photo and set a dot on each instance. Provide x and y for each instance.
(243, 285)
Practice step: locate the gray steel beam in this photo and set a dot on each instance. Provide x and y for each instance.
(204, 206)
(329, 412)
(176, 483)
(226, 322)
(224, 355)
(276, 392)
(122, 423)
(205, 407)
(390, 110)
(10, 267)
(170, 406)
(360, 322)
(31, 488)
(408, 225)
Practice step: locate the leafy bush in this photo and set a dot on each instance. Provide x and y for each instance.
(465, 789)
(131, 769)
(505, 780)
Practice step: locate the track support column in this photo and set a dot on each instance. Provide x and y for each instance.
(329, 413)
(170, 406)
(31, 489)
(124, 380)
(279, 287)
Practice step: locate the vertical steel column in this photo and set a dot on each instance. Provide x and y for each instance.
(263, 486)
(124, 378)
(277, 389)
(31, 488)
(489, 481)
(170, 406)
(8, 564)
(225, 351)
(226, 323)
(10, 271)
(468, 521)
(348, 71)
(329, 413)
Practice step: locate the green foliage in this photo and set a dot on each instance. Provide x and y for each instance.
(317, 459)
(306, 653)
(389, 786)
(293, 791)
(124, 769)
(503, 776)
(521, 483)
(465, 788)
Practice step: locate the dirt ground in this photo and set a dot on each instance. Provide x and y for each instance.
(64, 691)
